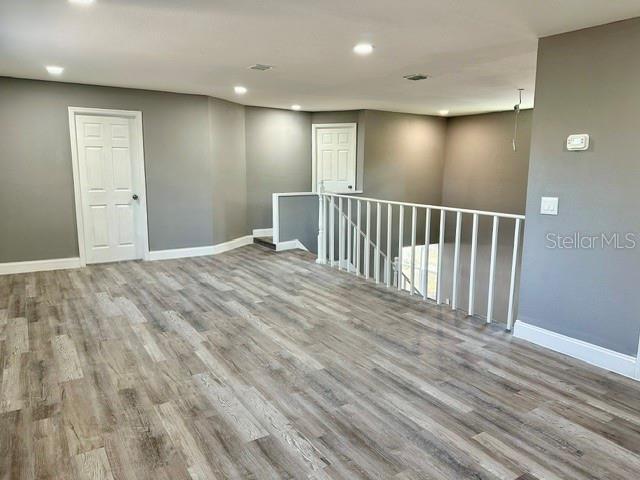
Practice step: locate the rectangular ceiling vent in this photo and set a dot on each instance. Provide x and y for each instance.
(416, 76)
(261, 67)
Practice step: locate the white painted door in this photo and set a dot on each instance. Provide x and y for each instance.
(336, 158)
(106, 166)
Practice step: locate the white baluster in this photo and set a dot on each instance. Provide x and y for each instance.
(367, 246)
(275, 218)
(349, 230)
(320, 229)
(357, 238)
(355, 243)
(340, 234)
(456, 261)
(325, 213)
(400, 245)
(472, 265)
(332, 231)
(440, 253)
(512, 282)
(412, 275)
(323, 229)
(425, 254)
(389, 254)
(492, 269)
(376, 267)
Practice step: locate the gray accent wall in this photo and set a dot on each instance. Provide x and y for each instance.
(212, 165)
(278, 147)
(298, 217)
(404, 156)
(404, 161)
(586, 83)
(482, 172)
(229, 168)
(194, 161)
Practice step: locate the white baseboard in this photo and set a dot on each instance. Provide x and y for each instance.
(201, 251)
(290, 245)
(263, 232)
(587, 352)
(65, 263)
(39, 265)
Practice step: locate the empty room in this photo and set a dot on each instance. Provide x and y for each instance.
(295, 239)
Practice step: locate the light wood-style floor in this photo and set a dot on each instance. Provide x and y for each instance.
(256, 364)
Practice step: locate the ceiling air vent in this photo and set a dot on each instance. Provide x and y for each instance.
(261, 67)
(416, 76)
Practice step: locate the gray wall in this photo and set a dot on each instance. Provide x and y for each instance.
(404, 156)
(211, 165)
(345, 116)
(404, 160)
(184, 160)
(483, 172)
(227, 135)
(298, 218)
(586, 82)
(278, 147)
(400, 157)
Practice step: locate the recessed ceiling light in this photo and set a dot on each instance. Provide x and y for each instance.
(82, 2)
(54, 70)
(416, 76)
(240, 90)
(444, 112)
(295, 107)
(363, 48)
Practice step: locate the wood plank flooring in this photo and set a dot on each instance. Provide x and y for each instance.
(258, 365)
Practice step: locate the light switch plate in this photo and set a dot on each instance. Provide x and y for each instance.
(549, 206)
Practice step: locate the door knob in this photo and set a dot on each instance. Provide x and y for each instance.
(135, 197)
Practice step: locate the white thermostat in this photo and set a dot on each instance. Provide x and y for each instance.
(578, 141)
(549, 206)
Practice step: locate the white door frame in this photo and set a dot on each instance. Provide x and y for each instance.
(314, 165)
(142, 233)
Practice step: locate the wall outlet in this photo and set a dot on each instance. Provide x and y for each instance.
(549, 206)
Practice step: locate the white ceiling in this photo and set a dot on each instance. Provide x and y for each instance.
(478, 52)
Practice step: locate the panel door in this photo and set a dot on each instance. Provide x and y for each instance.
(105, 162)
(336, 159)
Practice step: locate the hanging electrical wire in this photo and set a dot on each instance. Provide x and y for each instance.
(516, 109)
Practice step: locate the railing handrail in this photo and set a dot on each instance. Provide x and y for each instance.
(326, 245)
(295, 194)
(406, 204)
(421, 205)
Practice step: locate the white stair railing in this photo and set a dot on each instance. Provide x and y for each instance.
(351, 237)
(353, 232)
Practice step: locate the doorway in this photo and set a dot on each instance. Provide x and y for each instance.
(334, 157)
(109, 184)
